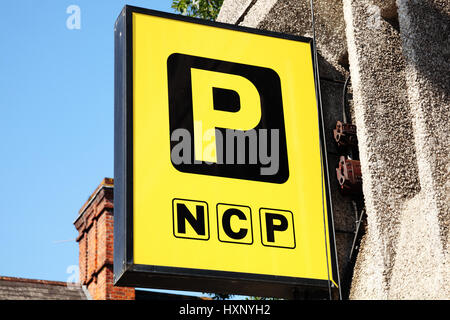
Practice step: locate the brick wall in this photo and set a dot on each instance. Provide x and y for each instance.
(95, 225)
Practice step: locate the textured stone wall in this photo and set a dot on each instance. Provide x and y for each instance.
(386, 142)
(425, 29)
(402, 113)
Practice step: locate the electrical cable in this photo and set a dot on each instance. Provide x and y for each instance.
(320, 103)
(344, 100)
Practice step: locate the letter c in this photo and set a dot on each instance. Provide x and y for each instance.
(227, 226)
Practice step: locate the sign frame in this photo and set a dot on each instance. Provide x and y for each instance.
(126, 272)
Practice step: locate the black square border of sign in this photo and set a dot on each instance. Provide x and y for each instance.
(126, 272)
(261, 229)
(173, 219)
(268, 84)
(218, 224)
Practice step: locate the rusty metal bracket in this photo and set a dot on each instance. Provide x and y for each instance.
(345, 135)
(349, 176)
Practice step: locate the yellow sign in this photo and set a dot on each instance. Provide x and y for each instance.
(220, 174)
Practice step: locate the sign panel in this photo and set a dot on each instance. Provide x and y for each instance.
(220, 177)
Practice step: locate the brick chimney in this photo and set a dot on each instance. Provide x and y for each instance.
(95, 224)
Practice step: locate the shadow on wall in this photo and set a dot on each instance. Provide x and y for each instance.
(428, 35)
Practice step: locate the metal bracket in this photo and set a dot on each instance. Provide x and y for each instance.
(356, 238)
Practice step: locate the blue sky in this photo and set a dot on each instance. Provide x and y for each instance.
(56, 127)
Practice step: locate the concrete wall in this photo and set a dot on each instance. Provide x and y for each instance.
(384, 132)
(402, 113)
(398, 55)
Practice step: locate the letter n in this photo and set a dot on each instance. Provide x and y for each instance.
(190, 219)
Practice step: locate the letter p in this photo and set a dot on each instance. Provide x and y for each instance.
(211, 107)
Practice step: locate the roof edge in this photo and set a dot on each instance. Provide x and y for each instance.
(37, 281)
